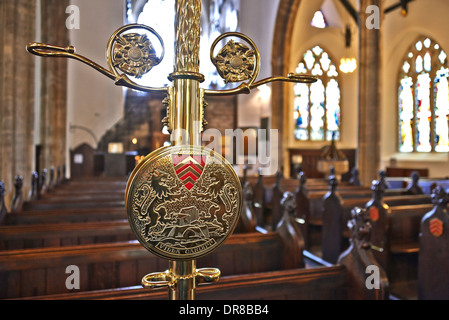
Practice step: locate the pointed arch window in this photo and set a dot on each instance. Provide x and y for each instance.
(317, 105)
(423, 99)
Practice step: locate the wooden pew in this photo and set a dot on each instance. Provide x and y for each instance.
(18, 198)
(266, 200)
(32, 272)
(63, 234)
(244, 260)
(354, 198)
(72, 201)
(433, 260)
(111, 265)
(242, 253)
(259, 202)
(50, 204)
(78, 193)
(65, 195)
(310, 206)
(333, 224)
(3, 209)
(319, 283)
(269, 195)
(62, 228)
(302, 213)
(290, 232)
(66, 215)
(395, 233)
(359, 258)
(248, 220)
(51, 254)
(401, 249)
(395, 230)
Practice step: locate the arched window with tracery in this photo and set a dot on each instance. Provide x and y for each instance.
(317, 105)
(423, 99)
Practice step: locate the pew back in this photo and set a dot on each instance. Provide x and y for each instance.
(319, 283)
(63, 234)
(32, 272)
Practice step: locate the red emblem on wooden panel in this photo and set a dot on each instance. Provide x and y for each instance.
(374, 213)
(189, 168)
(436, 227)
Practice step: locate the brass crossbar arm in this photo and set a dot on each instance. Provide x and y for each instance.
(47, 50)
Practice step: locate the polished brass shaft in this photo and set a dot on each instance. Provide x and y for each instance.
(186, 112)
(185, 272)
(186, 108)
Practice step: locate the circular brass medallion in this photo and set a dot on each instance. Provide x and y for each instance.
(183, 202)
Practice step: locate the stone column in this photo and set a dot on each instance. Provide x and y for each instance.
(53, 109)
(17, 28)
(280, 66)
(368, 151)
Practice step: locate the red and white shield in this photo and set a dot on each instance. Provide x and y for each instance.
(189, 168)
(374, 213)
(436, 227)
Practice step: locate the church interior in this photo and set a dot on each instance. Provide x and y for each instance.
(343, 180)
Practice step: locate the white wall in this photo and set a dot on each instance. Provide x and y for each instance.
(257, 20)
(93, 99)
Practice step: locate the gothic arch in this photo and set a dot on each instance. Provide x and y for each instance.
(280, 56)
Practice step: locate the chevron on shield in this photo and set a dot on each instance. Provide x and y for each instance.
(189, 168)
(436, 227)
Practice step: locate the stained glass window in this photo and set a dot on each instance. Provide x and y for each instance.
(423, 99)
(317, 105)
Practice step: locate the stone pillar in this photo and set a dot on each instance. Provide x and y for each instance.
(280, 66)
(17, 28)
(53, 104)
(368, 151)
